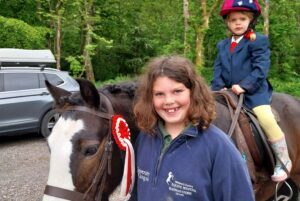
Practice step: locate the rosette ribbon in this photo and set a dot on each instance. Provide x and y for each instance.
(121, 134)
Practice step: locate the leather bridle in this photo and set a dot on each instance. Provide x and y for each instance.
(104, 167)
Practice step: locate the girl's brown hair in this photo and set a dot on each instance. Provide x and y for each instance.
(179, 69)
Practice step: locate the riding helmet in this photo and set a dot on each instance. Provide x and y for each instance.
(240, 5)
(243, 5)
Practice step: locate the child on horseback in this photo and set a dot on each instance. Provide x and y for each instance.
(242, 64)
(180, 155)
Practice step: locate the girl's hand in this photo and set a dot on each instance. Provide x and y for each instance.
(237, 89)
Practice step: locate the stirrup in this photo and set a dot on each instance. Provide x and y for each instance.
(283, 197)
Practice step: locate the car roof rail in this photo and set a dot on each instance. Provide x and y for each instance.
(41, 68)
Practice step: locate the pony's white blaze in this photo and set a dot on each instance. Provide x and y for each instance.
(61, 148)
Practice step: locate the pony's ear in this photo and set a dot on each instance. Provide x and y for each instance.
(89, 93)
(59, 95)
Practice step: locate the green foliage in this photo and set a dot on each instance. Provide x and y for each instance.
(174, 47)
(118, 79)
(18, 34)
(131, 46)
(76, 66)
(290, 86)
(216, 32)
(284, 31)
(207, 74)
(24, 10)
(126, 34)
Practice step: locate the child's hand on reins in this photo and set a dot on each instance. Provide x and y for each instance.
(237, 89)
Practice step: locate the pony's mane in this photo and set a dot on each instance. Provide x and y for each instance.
(128, 88)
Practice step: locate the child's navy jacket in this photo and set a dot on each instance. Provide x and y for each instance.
(197, 166)
(247, 66)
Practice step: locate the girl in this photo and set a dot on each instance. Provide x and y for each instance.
(181, 156)
(242, 64)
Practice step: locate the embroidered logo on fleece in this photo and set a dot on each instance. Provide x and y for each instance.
(179, 188)
(143, 175)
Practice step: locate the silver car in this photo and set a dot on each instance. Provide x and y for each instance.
(25, 103)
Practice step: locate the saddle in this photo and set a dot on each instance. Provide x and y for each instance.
(248, 137)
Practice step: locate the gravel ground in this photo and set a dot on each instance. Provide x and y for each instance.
(24, 167)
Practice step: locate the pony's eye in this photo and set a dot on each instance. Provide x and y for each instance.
(91, 150)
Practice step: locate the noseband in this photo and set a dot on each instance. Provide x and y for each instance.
(104, 167)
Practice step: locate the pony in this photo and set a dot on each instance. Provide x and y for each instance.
(287, 112)
(78, 141)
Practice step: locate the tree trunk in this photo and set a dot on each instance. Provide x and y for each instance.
(51, 27)
(266, 17)
(88, 5)
(201, 30)
(57, 18)
(199, 47)
(58, 42)
(186, 16)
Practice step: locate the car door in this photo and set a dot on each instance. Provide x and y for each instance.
(21, 102)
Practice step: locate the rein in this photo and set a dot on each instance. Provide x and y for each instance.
(104, 167)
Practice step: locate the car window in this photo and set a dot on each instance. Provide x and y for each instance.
(20, 81)
(52, 78)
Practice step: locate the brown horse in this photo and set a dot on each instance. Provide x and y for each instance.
(79, 140)
(288, 109)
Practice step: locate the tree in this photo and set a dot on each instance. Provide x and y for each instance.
(88, 47)
(57, 15)
(266, 16)
(186, 16)
(201, 28)
(59, 9)
(53, 13)
(115, 37)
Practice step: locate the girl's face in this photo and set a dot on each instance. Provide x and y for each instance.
(238, 22)
(171, 101)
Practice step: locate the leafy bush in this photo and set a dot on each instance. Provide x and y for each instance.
(290, 86)
(113, 81)
(18, 34)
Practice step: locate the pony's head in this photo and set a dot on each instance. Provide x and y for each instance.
(81, 145)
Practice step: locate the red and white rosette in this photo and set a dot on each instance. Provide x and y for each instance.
(121, 133)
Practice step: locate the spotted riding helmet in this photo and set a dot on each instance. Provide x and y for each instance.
(240, 5)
